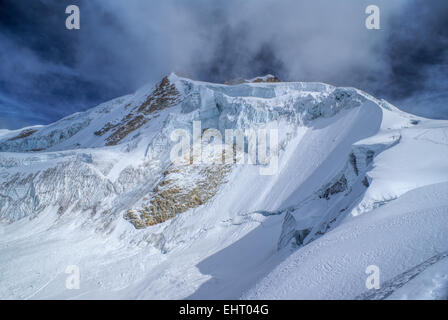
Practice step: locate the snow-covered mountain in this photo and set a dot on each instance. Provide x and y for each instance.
(356, 183)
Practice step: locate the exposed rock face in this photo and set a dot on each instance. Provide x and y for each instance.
(264, 79)
(164, 96)
(129, 124)
(185, 186)
(339, 186)
(25, 133)
(181, 188)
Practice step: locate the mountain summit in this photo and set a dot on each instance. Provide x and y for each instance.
(287, 190)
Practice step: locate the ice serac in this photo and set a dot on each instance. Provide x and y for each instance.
(101, 183)
(290, 234)
(146, 120)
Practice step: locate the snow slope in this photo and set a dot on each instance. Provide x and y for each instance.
(395, 237)
(358, 183)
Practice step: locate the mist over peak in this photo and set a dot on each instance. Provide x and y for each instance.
(48, 71)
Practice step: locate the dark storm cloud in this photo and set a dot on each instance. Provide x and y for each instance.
(47, 71)
(40, 79)
(418, 56)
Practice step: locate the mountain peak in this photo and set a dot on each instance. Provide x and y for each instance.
(104, 182)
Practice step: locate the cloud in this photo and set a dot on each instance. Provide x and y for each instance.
(124, 44)
(417, 54)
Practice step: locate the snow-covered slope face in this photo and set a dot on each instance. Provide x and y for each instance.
(100, 191)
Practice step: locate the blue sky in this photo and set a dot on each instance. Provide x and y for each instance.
(47, 71)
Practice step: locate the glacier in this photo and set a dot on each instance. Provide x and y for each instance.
(359, 183)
